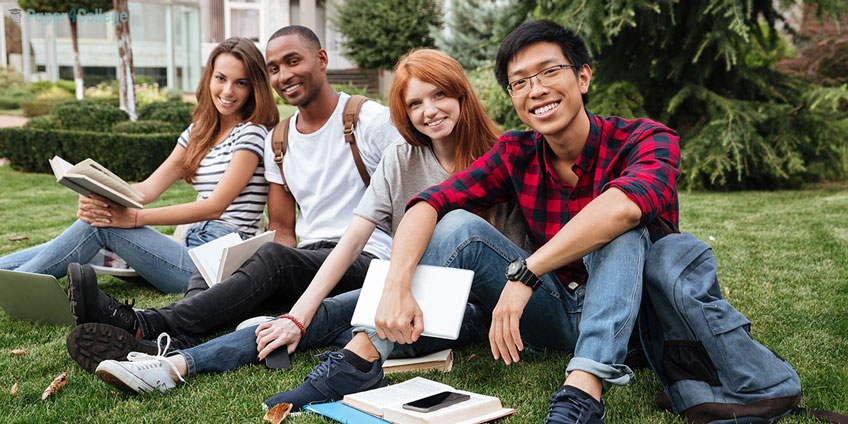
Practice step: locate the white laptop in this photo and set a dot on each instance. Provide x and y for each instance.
(441, 294)
(34, 297)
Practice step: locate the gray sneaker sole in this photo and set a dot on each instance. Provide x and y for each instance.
(92, 343)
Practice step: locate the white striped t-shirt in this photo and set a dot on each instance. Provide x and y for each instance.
(247, 208)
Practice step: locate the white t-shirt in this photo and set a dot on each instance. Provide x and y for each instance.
(247, 208)
(323, 178)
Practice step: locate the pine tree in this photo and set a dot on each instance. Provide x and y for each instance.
(472, 27)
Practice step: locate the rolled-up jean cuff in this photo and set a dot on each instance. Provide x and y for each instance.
(190, 365)
(617, 374)
(384, 347)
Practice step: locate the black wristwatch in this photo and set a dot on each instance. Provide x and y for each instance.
(517, 271)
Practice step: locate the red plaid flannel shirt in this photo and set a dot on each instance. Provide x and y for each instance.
(638, 157)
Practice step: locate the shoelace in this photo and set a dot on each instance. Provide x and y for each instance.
(115, 306)
(145, 361)
(327, 360)
(561, 412)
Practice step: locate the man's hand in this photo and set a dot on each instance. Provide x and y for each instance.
(273, 334)
(504, 334)
(398, 317)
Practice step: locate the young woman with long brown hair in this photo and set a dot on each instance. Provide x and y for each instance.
(220, 154)
(434, 108)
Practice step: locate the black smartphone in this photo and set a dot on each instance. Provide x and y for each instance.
(278, 358)
(435, 402)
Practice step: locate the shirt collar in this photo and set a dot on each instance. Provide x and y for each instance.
(586, 159)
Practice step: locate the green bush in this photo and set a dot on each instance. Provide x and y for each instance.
(146, 127)
(351, 89)
(66, 87)
(178, 113)
(10, 78)
(173, 94)
(620, 98)
(88, 116)
(12, 97)
(131, 156)
(495, 100)
(44, 122)
(41, 106)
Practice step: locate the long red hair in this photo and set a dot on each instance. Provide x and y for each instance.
(259, 109)
(475, 133)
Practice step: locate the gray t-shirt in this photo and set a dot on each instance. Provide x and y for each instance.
(404, 172)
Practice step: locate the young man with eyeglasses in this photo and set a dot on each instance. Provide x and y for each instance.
(593, 191)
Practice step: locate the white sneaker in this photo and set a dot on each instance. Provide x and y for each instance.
(141, 373)
(250, 322)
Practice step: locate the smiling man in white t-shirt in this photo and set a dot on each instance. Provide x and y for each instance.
(323, 182)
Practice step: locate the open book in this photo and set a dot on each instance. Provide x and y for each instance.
(386, 403)
(221, 257)
(441, 294)
(89, 177)
(441, 360)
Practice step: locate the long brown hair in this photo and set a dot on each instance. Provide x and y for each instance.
(259, 109)
(475, 133)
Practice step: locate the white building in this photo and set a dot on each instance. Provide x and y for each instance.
(171, 39)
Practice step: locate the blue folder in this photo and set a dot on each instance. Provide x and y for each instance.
(343, 413)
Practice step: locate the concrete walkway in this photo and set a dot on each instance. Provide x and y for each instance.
(12, 121)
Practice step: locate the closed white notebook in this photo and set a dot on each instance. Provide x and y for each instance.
(441, 294)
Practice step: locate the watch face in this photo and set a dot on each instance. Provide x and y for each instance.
(513, 267)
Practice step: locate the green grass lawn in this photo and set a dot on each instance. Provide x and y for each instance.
(783, 256)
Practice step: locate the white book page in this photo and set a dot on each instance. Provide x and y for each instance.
(97, 172)
(470, 409)
(234, 256)
(207, 257)
(440, 356)
(60, 166)
(374, 401)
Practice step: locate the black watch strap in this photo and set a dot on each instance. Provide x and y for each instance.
(517, 271)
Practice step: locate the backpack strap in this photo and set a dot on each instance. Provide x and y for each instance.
(279, 142)
(349, 118)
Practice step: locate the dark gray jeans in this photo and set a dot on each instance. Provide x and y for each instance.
(274, 271)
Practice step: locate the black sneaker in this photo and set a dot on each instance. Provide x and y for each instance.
(89, 304)
(92, 343)
(330, 381)
(574, 406)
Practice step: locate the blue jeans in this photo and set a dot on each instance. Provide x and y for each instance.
(329, 327)
(156, 257)
(594, 321)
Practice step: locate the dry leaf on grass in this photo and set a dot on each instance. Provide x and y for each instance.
(278, 413)
(54, 387)
(468, 361)
(726, 292)
(17, 352)
(14, 389)
(19, 238)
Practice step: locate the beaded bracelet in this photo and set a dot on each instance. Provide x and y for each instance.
(297, 323)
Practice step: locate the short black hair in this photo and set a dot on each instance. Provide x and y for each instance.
(303, 32)
(572, 45)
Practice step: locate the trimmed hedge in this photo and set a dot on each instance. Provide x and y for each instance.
(12, 97)
(88, 116)
(145, 127)
(131, 156)
(45, 122)
(178, 113)
(40, 107)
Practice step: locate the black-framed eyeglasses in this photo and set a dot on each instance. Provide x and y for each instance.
(545, 76)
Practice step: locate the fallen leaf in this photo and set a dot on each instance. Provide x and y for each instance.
(14, 389)
(473, 355)
(19, 238)
(756, 251)
(727, 292)
(18, 352)
(54, 387)
(278, 413)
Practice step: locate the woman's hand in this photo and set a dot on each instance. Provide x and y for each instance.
(93, 210)
(273, 334)
(399, 318)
